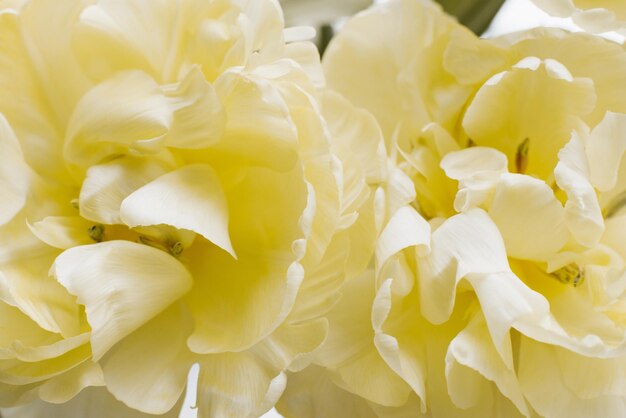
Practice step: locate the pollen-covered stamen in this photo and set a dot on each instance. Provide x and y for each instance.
(177, 249)
(96, 232)
(521, 156)
(571, 274)
(615, 206)
(174, 248)
(74, 203)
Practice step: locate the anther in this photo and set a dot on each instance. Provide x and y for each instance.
(521, 156)
(177, 248)
(571, 274)
(96, 232)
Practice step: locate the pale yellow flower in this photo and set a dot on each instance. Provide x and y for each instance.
(193, 196)
(492, 299)
(596, 16)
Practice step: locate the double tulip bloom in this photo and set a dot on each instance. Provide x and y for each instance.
(428, 225)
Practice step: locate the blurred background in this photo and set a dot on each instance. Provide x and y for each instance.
(487, 18)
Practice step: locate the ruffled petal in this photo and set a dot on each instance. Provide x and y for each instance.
(122, 285)
(536, 101)
(255, 292)
(126, 111)
(91, 402)
(188, 198)
(107, 185)
(529, 217)
(130, 368)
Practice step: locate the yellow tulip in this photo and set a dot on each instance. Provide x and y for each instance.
(176, 190)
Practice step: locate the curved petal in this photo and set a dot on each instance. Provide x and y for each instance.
(40, 296)
(536, 101)
(254, 293)
(93, 402)
(130, 368)
(259, 128)
(529, 217)
(386, 58)
(583, 215)
(63, 231)
(122, 285)
(188, 198)
(199, 119)
(63, 388)
(472, 361)
(126, 111)
(237, 385)
(349, 351)
(107, 185)
(543, 383)
(606, 147)
(14, 174)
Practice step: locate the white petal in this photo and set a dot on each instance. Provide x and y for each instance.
(545, 387)
(188, 198)
(582, 209)
(259, 129)
(464, 244)
(529, 217)
(237, 385)
(199, 118)
(605, 149)
(126, 111)
(466, 163)
(107, 185)
(63, 231)
(122, 285)
(148, 369)
(14, 174)
(406, 228)
(93, 402)
(471, 361)
(66, 386)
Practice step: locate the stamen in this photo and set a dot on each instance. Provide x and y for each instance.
(96, 232)
(177, 249)
(521, 157)
(74, 203)
(571, 274)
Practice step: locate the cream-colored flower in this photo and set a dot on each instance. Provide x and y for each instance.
(178, 192)
(596, 16)
(480, 292)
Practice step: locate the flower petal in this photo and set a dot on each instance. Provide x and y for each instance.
(107, 185)
(122, 285)
(14, 174)
(199, 118)
(126, 111)
(529, 217)
(545, 387)
(237, 385)
(536, 100)
(129, 368)
(254, 293)
(93, 402)
(583, 215)
(472, 361)
(259, 129)
(188, 198)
